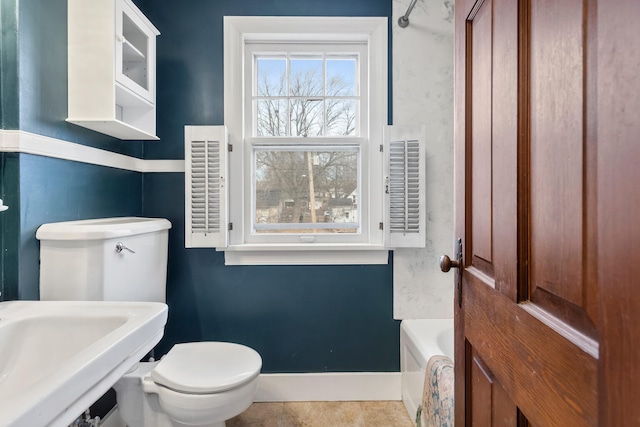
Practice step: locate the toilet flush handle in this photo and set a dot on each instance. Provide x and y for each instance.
(120, 246)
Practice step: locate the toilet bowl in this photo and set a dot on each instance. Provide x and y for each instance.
(125, 259)
(195, 384)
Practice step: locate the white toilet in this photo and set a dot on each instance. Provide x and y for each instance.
(125, 259)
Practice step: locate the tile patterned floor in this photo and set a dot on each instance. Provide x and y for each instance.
(323, 414)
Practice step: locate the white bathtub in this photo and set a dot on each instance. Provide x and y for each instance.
(421, 339)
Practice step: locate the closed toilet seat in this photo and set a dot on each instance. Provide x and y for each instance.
(207, 367)
(204, 383)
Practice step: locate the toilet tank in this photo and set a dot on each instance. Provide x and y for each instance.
(108, 259)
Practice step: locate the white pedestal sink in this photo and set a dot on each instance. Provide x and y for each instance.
(58, 357)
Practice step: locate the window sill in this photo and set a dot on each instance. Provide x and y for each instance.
(317, 254)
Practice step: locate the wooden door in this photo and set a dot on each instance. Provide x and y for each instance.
(547, 313)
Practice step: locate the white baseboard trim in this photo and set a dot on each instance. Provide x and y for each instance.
(330, 386)
(17, 141)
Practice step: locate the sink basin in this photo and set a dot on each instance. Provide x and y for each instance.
(58, 357)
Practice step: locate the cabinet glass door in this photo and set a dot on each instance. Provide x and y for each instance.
(134, 50)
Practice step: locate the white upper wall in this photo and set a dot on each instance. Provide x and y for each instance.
(423, 93)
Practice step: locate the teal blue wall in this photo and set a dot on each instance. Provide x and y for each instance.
(59, 190)
(8, 67)
(299, 318)
(9, 225)
(33, 84)
(9, 162)
(42, 45)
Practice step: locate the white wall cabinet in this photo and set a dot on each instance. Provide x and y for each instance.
(112, 68)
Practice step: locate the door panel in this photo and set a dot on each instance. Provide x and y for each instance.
(558, 169)
(490, 403)
(557, 141)
(551, 379)
(481, 140)
(504, 128)
(526, 331)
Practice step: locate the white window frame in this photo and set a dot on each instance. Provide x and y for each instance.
(240, 31)
(311, 49)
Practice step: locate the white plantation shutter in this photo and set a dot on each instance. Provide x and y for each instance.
(206, 194)
(404, 153)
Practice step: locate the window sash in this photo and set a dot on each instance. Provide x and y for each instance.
(360, 138)
(360, 236)
(327, 51)
(278, 228)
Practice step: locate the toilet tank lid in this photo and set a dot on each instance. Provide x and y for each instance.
(101, 228)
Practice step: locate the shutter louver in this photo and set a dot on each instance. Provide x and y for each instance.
(405, 186)
(206, 195)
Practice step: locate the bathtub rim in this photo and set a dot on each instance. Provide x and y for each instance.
(419, 340)
(423, 339)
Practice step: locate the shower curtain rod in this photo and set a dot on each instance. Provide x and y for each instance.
(403, 21)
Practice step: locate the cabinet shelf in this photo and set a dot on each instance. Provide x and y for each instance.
(131, 53)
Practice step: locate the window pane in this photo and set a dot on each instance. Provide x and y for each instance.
(320, 93)
(271, 117)
(307, 117)
(341, 117)
(306, 76)
(271, 76)
(306, 191)
(341, 76)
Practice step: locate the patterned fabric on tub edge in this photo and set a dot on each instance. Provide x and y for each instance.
(437, 397)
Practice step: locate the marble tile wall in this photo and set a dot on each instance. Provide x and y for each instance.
(423, 93)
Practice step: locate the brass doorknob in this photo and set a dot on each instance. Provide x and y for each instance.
(447, 264)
